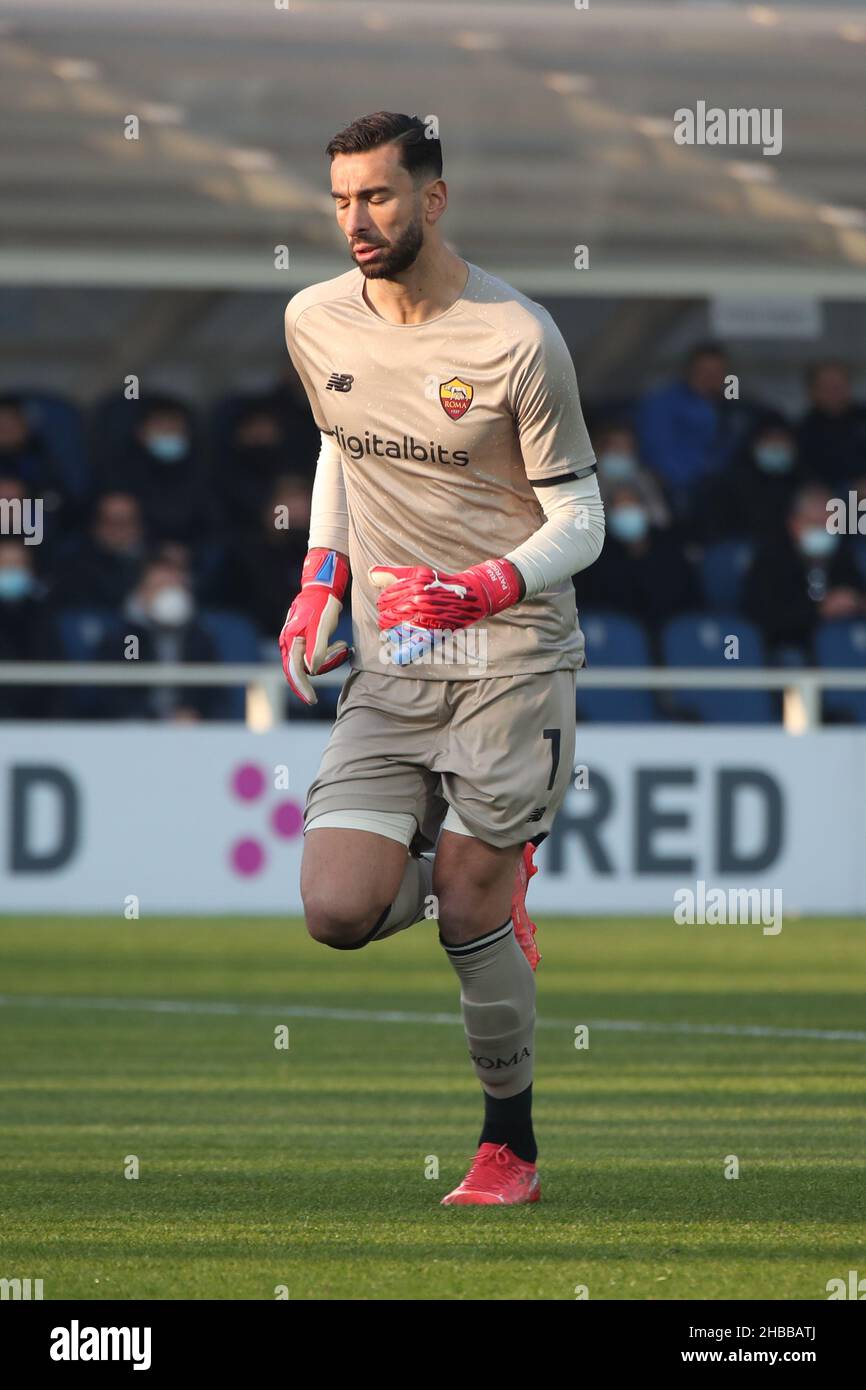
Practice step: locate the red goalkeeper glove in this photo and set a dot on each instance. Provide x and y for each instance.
(428, 598)
(311, 620)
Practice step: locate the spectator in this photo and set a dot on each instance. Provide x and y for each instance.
(27, 633)
(618, 462)
(161, 470)
(642, 571)
(289, 399)
(256, 458)
(23, 451)
(689, 430)
(160, 616)
(17, 510)
(801, 577)
(12, 490)
(106, 565)
(263, 567)
(26, 457)
(752, 498)
(832, 433)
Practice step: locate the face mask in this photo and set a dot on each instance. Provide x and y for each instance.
(615, 466)
(774, 458)
(629, 523)
(171, 607)
(15, 584)
(817, 542)
(167, 448)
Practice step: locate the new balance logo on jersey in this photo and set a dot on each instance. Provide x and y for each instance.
(340, 381)
(537, 813)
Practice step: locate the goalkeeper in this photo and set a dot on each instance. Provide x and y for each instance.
(456, 483)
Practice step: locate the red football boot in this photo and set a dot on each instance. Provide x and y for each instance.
(497, 1178)
(524, 930)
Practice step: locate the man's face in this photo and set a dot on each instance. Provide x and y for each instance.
(14, 557)
(295, 494)
(118, 524)
(257, 431)
(707, 374)
(618, 441)
(11, 489)
(831, 390)
(811, 514)
(13, 428)
(379, 211)
(165, 434)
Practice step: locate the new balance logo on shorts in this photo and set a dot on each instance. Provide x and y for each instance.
(339, 381)
(537, 813)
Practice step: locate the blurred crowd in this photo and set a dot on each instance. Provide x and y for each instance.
(689, 474)
(187, 532)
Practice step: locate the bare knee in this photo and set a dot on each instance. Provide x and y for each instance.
(340, 925)
(463, 912)
(349, 879)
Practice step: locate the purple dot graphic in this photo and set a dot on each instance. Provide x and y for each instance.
(247, 857)
(287, 819)
(248, 782)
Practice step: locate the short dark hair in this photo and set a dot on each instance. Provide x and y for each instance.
(708, 348)
(836, 364)
(420, 151)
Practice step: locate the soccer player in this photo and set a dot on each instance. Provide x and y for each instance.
(456, 483)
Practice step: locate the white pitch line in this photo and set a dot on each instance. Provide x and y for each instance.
(604, 1025)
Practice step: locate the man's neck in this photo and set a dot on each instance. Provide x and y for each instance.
(427, 289)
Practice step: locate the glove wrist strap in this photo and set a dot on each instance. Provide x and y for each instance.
(326, 567)
(501, 583)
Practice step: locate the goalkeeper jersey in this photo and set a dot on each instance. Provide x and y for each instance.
(443, 428)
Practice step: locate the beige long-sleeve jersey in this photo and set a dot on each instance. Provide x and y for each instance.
(452, 434)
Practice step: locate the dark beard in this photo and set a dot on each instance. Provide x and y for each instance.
(398, 256)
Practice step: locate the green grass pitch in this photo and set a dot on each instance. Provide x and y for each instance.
(306, 1168)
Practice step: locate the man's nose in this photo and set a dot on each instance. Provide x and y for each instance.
(355, 225)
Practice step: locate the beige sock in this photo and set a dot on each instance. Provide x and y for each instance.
(411, 900)
(497, 994)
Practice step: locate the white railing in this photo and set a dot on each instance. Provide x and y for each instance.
(268, 703)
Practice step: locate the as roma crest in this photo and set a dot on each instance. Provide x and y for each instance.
(456, 397)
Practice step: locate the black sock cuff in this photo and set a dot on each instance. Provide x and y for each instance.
(509, 1121)
(365, 940)
(469, 948)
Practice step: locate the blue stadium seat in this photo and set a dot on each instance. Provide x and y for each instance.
(723, 570)
(698, 639)
(81, 632)
(843, 644)
(236, 640)
(61, 425)
(614, 640)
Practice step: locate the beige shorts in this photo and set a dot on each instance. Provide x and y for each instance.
(499, 751)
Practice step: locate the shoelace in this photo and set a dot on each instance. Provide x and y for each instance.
(500, 1156)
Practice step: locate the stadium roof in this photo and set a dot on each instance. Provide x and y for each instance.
(557, 126)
